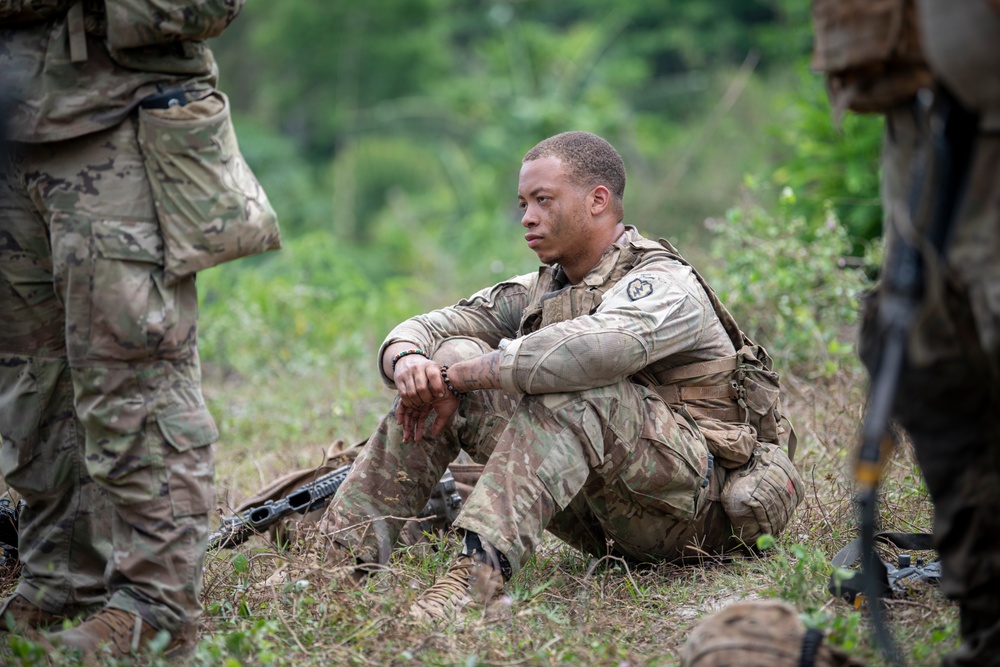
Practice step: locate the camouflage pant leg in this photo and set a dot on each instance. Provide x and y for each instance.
(644, 475)
(948, 396)
(391, 478)
(64, 534)
(578, 526)
(131, 345)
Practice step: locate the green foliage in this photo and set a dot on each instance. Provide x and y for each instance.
(298, 310)
(801, 578)
(26, 652)
(831, 167)
(323, 70)
(787, 281)
(428, 107)
(251, 642)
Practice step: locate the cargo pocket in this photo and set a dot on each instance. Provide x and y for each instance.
(188, 459)
(210, 205)
(126, 256)
(668, 471)
(553, 475)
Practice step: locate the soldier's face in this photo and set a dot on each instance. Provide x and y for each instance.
(555, 213)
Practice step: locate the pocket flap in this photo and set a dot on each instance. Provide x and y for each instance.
(132, 241)
(188, 429)
(732, 445)
(762, 392)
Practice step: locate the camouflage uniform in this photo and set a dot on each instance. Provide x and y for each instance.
(573, 443)
(948, 396)
(104, 429)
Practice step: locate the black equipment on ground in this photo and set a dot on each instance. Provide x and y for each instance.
(9, 514)
(444, 503)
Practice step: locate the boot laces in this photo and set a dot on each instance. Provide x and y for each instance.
(467, 582)
(124, 629)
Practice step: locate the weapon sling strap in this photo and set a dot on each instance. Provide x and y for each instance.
(811, 642)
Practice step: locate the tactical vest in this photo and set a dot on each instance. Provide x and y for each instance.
(165, 36)
(734, 400)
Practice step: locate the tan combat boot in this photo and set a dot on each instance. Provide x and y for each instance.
(469, 582)
(117, 633)
(20, 616)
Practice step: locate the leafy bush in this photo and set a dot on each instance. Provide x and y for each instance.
(789, 281)
(830, 166)
(300, 309)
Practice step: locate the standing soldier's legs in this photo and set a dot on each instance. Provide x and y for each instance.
(131, 343)
(949, 396)
(957, 438)
(63, 532)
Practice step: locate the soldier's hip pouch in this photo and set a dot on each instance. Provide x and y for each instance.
(210, 206)
(760, 497)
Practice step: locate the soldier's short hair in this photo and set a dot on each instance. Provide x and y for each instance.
(590, 160)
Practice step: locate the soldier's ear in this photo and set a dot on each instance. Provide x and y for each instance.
(599, 199)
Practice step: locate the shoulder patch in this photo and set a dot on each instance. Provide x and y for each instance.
(639, 288)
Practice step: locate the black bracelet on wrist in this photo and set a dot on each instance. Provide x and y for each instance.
(447, 383)
(405, 353)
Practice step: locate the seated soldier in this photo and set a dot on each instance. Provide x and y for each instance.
(610, 395)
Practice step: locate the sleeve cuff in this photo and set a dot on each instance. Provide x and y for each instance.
(508, 365)
(378, 362)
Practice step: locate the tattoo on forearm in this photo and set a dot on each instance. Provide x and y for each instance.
(482, 372)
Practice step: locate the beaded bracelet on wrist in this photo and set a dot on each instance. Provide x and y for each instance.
(405, 353)
(447, 383)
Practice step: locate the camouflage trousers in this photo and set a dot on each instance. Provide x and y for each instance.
(611, 466)
(105, 433)
(948, 396)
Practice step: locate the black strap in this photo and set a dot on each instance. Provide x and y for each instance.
(810, 646)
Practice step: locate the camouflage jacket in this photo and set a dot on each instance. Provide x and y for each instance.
(80, 67)
(637, 308)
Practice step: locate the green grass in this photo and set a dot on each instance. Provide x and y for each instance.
(565, 609)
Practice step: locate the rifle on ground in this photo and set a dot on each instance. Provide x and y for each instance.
(444, 503)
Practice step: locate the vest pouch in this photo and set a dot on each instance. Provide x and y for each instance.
(210, 206)
(732, 445)
(759, 389)
(760, 498)
(870, 51)
(136, 23)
